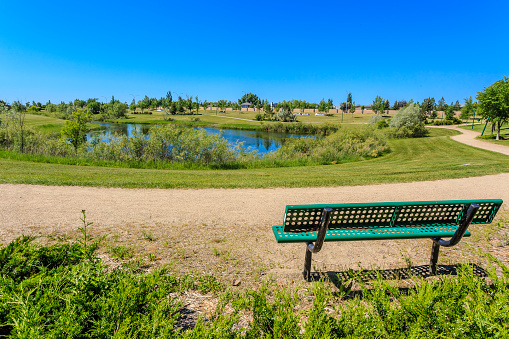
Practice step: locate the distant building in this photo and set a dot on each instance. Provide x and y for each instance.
(245, 105)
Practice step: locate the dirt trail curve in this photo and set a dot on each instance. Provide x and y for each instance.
(241, 215)
(468, 137)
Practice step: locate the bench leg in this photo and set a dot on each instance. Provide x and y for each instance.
(307, 264)
(434, 258)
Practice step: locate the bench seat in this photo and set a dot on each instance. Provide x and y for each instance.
(351, 234)
(316, 224)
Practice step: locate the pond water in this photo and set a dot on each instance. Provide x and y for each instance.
(262, 142)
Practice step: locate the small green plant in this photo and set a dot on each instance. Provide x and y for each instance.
(121, 252)
(148, 236)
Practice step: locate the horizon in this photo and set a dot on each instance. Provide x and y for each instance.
(281, 51)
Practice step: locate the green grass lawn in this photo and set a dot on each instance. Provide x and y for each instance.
(242, 118)
(48, 124)
(433, 158)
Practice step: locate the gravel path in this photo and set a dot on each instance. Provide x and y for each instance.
(468, 137)
(241, 218)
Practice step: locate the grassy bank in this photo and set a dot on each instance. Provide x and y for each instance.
(432, 158)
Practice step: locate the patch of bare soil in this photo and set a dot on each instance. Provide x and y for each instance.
(227, 232)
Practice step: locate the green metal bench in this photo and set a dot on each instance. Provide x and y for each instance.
(379, 221)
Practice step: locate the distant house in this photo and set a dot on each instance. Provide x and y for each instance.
(245, 105)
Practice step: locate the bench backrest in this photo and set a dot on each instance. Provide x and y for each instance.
(306, 218)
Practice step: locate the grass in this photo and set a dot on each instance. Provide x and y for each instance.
(48, 124)
(237, 118)
(432, 158)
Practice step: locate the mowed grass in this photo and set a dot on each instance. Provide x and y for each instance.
(432, 158)
(48, 124)
(244, 118)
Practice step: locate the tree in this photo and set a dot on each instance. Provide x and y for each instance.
(352, 108)
(349, 98)
(457, 106)
(251, 98)
(428, 105)
(132, 107)
(467, 109)
(449, 113)
(395, 105)
(378, 104)
(142, 105)
(441, 104)
(169, 98)
(75, 130)
(117, 110)
(494, 103)
(362, 109)
(221, 104)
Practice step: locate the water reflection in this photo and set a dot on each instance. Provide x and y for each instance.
(262, 142)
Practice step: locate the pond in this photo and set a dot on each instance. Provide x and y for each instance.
(262, 142)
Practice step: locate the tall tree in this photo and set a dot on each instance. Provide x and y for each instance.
(440, 105)
(251, 98)
(494, 103)
(467, 109)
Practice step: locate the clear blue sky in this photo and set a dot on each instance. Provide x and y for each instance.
(63, 50)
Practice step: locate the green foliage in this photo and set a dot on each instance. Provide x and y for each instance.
(408, 123)
(467, 109)
(251, 98)
(285, 116)
(409, 116)
(378, 104)
(494, 103)
(339, 147)
(117, 110)
(75, 130)
(259, 117)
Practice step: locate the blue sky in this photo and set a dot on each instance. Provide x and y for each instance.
(63, 50)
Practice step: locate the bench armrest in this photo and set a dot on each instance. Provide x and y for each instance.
(462, 227)
(324, 225)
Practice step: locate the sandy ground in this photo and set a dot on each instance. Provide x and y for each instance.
(229, 230)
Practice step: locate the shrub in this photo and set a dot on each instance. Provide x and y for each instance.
(285, 116)
(259, 117)
(408, 116)
(341, 146)
(408, 122)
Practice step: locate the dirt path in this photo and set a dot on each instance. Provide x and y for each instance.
(468, 137)
(225, 229)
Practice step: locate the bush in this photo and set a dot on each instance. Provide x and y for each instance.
(408, 122)
(378, 121)
(347, 145)
(409, 116)
(285, 116)
(259, 117)
(417, 131)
